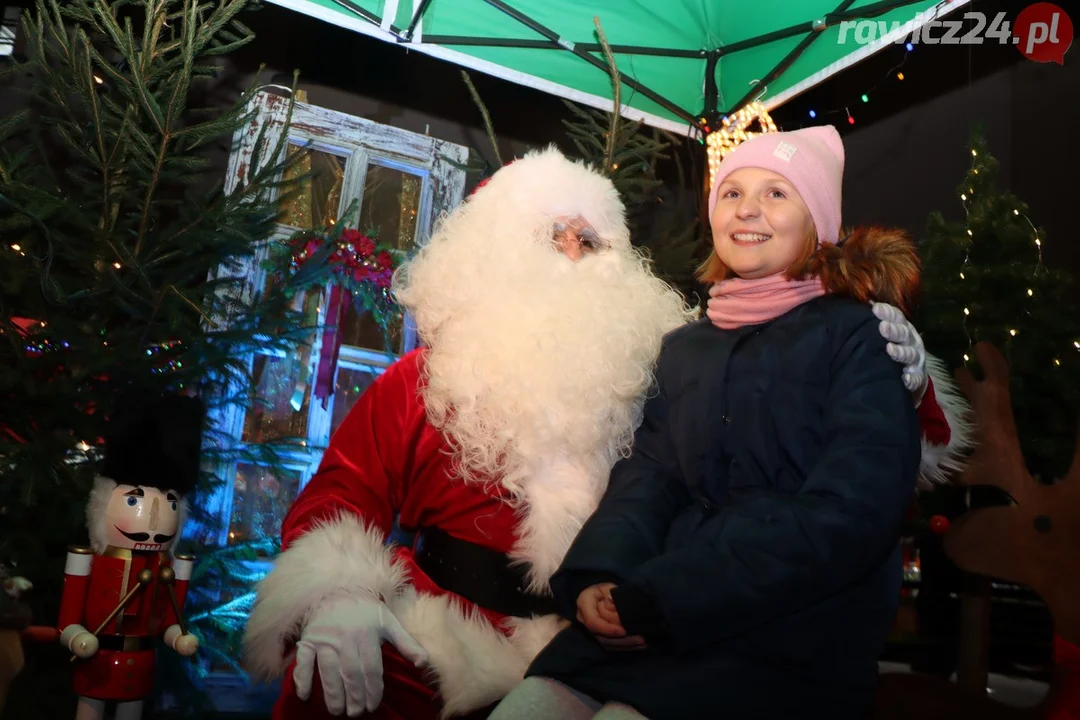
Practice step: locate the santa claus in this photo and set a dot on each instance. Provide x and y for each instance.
(493, 443)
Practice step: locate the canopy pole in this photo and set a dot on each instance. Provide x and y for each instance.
(785, 63)
(473, 41)
(416, 19)
(569, 45)
(711, 111)
(833, 18)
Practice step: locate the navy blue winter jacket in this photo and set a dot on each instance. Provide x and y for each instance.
(753, 533)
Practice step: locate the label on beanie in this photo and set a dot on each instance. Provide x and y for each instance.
(785, 151)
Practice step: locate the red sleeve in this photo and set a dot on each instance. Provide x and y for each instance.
(363, 470)
(73, 600)
(935, 427)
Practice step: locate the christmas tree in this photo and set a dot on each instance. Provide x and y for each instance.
(984, 278)
(122, 269)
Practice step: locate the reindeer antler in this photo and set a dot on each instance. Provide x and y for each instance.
(997, 459)
(1035, 542)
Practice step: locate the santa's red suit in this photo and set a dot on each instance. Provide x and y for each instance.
(386, 461)
(533, 358)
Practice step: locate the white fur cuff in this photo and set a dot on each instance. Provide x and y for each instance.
(939, 462)
(339, 557)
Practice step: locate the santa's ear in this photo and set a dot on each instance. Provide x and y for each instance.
(95, 512)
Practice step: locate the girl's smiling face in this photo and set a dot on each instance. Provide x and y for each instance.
(761, 225)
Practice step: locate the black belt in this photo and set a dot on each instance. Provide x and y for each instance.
(130, 643)
(479, 574)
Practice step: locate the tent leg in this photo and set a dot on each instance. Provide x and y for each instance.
(416, 19)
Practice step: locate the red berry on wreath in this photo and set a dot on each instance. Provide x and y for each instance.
(939, 524)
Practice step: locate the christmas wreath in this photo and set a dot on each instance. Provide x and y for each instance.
(351, 267)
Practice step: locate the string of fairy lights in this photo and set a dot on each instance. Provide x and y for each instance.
(37, 345)
(895, 73)
(735, 128)
(965, 199)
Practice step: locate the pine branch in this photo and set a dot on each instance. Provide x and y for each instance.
(488, 126)
(616, 86)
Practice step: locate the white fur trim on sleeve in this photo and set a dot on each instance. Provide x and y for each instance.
(472, 662)
(939, 462)
(337, 557)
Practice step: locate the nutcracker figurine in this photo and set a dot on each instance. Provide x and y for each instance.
(125, 592)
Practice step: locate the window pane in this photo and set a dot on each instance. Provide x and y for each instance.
(351, 384)
(360, 330)
(282, 397)
(261, 497)
(315, 203)
(391, 206)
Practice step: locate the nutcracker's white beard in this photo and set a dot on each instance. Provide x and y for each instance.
(531, 356)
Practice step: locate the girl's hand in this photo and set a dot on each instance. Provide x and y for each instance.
(596, 611)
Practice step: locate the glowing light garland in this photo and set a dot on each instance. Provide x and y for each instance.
(734, 132)
(967, 197)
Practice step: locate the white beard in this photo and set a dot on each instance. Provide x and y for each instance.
(537, 367)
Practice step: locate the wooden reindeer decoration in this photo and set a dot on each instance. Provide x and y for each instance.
(1034, 542)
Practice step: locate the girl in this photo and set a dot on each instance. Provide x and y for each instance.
(745, 560)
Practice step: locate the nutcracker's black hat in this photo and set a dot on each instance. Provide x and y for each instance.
(155, 441)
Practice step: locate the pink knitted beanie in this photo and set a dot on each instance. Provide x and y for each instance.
(811, 159)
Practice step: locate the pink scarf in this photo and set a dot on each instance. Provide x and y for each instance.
(737, 302)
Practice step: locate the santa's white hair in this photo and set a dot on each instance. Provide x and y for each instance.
(530, 355)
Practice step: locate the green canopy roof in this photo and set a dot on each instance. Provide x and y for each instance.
(680, 59)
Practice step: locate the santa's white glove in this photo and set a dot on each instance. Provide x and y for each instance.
(345, 636)
(904, 346)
